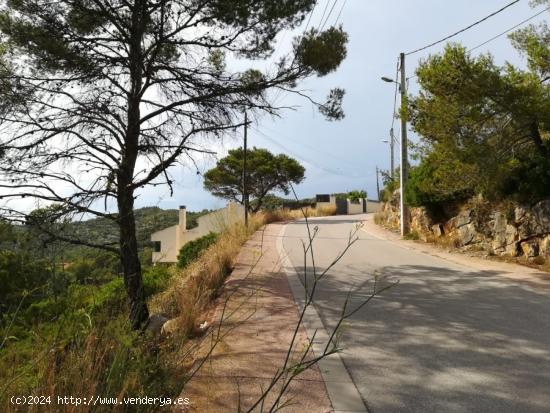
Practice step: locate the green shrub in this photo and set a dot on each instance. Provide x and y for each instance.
(356, 195)
(155, 279)
(109, 297)
(427, 186)
(22, 276)
(413, 235)
(192, 250)
(390, 185)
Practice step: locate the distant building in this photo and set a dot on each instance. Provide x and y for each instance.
(168, 242)
(347, 206)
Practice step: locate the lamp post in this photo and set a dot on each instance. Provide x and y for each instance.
(404, 211)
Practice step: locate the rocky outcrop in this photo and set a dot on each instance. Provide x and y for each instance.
(511, 230)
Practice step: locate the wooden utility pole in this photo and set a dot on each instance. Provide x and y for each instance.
(245, 189)
(404, 157)
(377, 185)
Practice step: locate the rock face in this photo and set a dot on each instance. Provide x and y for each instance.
(521, 230)
(437, 230)
(530, 248)
(544, 247)
(505, 236)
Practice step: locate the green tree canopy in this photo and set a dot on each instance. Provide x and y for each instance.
(266, 173)
(484, 128)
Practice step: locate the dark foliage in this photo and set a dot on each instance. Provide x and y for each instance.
(193, 249)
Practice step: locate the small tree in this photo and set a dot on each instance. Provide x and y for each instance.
(265, 172)
(117, 91)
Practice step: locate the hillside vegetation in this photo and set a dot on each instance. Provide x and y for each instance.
(64, 328)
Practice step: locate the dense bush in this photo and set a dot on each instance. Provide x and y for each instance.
(192, 250)
(427, 187)
(21, 276)
(525, 180)
(356, 195)
(390, 185)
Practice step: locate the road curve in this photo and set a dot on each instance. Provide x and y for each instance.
(448, 338)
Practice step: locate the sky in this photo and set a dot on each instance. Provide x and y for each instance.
(343, 156)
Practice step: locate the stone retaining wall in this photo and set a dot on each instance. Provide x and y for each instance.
(511, 230)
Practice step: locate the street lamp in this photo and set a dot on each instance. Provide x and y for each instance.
(404, 212)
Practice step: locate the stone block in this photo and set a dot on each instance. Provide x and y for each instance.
(530, 248)
(544, 247)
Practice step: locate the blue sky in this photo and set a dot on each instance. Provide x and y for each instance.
(341, 156)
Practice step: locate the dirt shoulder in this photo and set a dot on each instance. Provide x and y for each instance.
(260, 316)
(531, 276)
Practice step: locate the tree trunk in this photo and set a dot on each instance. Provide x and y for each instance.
(125, 177)
(129, 257)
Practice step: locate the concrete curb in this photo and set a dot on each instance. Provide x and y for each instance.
(343, 393)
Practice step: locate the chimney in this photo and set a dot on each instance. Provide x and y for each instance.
(183, 218)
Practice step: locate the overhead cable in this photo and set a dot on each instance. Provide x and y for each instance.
(464, 29)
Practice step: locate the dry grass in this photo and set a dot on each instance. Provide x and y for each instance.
(196, 285)
(379, 218)
(289, 215)
(446, 241)
(108, 362)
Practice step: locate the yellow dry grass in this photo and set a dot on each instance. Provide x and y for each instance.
(196, 285)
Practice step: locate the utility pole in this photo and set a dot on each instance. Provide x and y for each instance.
(392, 161)
(245, 189)
(377, 185)
(404, 157)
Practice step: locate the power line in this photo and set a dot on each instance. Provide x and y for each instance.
(275, 142)
(463, 30)
(509, 30)
(500, 34)
(302, 158)
(323, 15)
(395, 95)
(310, 14)
(309, 147)
(340, 12)
(329, 13)
(304, 31)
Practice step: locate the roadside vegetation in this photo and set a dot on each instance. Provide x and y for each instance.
(481, 180)
(67, 333)
(484, 128)
(63, 327)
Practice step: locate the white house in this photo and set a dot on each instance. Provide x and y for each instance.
(168, 242)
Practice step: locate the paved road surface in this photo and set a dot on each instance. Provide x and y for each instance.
(449, 338)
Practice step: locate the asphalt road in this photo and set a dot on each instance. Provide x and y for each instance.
(448, 338)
